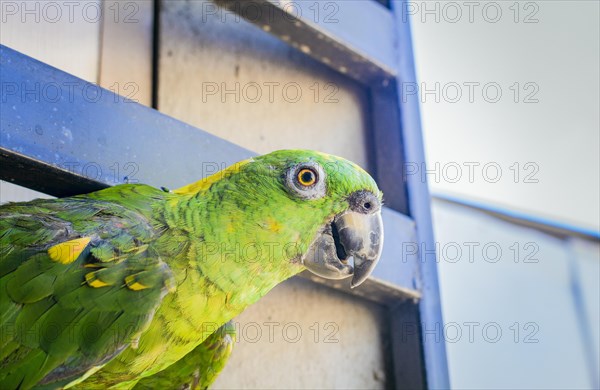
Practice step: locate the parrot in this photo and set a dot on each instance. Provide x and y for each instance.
(135, 287)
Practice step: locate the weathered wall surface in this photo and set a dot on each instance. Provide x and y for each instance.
(304, 336)
(225, 76)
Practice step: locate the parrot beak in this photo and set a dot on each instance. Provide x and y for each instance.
(351, 234)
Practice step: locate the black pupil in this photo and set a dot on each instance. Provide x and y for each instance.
(367, 205)
(307, 177)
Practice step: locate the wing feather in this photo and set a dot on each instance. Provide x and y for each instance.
(63, 314)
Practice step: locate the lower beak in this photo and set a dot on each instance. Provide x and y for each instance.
(351, 234)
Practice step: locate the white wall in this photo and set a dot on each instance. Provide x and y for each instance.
(555, 298)
(499, 277)
(559, 134)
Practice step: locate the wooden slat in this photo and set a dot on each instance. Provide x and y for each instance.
(355, 38)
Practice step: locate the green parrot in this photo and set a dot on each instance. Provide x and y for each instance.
(133, 286)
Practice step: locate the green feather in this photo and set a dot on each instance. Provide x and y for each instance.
(199, 368)
(156, 269)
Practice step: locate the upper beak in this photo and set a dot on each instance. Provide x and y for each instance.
(351, 234)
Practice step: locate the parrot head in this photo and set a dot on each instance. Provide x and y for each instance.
(322, 209)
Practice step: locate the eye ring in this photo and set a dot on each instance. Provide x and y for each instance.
(307, 177)
(306, 180)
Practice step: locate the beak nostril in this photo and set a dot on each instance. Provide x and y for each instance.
(363, 202)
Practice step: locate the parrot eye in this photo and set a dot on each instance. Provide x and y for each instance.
(306, 180)
(307, 177)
